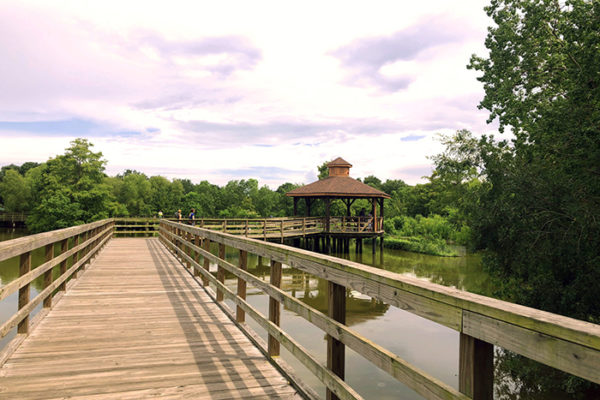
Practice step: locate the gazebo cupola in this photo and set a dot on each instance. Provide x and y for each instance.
(339, 167)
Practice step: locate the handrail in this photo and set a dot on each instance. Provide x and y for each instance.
(564, 343)
(94, 235)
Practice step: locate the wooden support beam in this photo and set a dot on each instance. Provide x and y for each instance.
(24, 268)
(221, 271)
(206, 264)
(49, 255)
(64, 246)
(295, 206)
(197, 242)
(274, 307)
(240, 314)
(336, 350)
(76, 254)
(476, 368)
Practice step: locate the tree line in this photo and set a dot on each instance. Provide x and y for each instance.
(73, 188)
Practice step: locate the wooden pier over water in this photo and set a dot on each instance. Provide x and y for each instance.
(135, 318)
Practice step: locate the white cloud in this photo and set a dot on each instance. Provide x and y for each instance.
(208, 83)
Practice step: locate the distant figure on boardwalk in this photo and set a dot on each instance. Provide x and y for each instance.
(192, 216)
(178, 214)
(160, 214)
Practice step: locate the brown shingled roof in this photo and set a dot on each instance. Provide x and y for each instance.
(339, 162)
(337, 186)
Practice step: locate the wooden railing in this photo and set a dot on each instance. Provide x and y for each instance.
(13, 216)
(69, 250)
(137, 227)
(567, 344)
(258, 228)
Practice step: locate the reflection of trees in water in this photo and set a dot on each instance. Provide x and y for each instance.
(464, 273)
(312, 291)
(517, 378)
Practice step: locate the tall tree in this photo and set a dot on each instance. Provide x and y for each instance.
(540, 216)
(15, 192)
(72, 189)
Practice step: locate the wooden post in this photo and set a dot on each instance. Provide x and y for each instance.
(48, 274)
(187, 237)
(265, 229)
(64, 246)
(274, 309)
(24, 267)
(206, 246)
(240, 314)
(295, 206)
(327, 214)
(476, 368)
(76, 254)
(336, 354)
(221, 271)
(303, 227)
(246, 229)
(224, 226)
(196, 254)
(281, 227)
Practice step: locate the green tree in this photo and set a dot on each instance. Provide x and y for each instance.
(71, 189)
(15, 191)
(323, 170)
(540, 213)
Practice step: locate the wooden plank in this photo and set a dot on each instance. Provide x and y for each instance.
(163, 338)
(21, 281)
(569, 357)
(15, 247)
(24, 311)
(332, 381)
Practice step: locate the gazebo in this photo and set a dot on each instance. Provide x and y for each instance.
(339, 185)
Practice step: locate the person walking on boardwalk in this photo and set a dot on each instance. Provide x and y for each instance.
(192, 216)
(178, 214)
(160, 214)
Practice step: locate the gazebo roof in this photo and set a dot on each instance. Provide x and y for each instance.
(338, 184)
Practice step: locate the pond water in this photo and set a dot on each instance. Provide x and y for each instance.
(429, 346)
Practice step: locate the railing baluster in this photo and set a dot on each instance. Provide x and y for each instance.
(49, 254)
(274, 308)
(196, 254)
(76, 254)
(64, 246)
(206, 246)
(24, 267)
(221, 271)
(240, 314)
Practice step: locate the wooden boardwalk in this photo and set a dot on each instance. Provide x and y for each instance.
(137, 325)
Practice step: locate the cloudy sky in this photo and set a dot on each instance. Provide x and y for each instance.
(222, 90)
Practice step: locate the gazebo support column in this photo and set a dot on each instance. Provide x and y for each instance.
(381, 238)
(327, 224)
(295, 206)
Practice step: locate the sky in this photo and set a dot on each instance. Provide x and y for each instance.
(222, 90)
